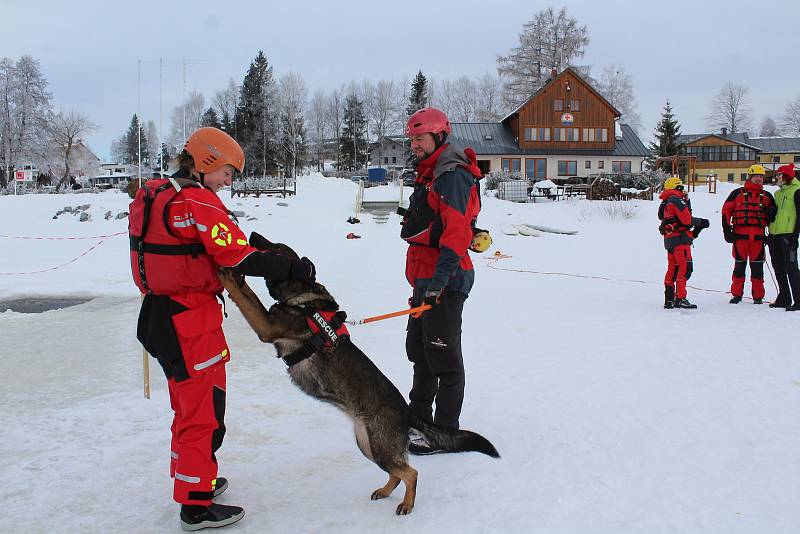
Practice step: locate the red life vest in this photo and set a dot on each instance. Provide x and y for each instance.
(749, 208)
(162, 263)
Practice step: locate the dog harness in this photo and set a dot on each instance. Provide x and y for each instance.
(327, 328)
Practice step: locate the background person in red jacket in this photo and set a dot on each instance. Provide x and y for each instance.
(679, 229)
(181, 235)
(438, 227)
(745, 215)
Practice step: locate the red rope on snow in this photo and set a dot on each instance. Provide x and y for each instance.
(493, 261)
(63, 238)
(73, 260)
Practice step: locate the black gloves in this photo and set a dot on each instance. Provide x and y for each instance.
(704, 223)
(302, 270)
(727, 233)
(432, 297)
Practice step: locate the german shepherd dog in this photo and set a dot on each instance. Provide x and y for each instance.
(344, 376)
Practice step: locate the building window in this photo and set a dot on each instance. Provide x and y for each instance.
(567, 168)
(543, 134)
(776, 159)
(588, 135)
(535, 168)
(797, 159)
(730, 176)
(394, 159)
(587, 164)
(620, 166)
(560, 134)
(573, 134)
(510, 165)
(743, 176)
(746, 154)
(386, 161)
(601, 135)
(558, 105)
(537, 134)
(601, 164)
(574, 105)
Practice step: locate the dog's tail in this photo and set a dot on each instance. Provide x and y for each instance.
(444, 439)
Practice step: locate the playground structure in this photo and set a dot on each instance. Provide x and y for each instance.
(689, 167)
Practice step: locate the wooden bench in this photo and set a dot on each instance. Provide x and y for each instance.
(272, 187)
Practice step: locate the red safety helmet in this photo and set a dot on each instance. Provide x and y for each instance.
(212, 148)
(428, 120)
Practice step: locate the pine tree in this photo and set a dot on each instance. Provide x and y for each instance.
(352, 143)
(210, 119)
(418, 98)
(666, 143)
(131, 143)
(166, 156)
(256, 120)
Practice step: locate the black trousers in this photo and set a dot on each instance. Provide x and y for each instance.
(783, 256)
(433, 345)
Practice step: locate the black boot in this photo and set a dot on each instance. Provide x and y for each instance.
(780, 302)
(211, 516)
(685, 304)
(669, 297)
(736, 299)
(793, 307)
(758, 300)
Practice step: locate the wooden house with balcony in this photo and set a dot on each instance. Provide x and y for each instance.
(565, 130)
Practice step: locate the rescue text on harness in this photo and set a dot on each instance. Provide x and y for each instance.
(327, 328)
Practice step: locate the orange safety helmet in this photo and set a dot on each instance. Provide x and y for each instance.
(212, 148)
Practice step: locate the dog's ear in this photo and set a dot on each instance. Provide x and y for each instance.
(260, 242)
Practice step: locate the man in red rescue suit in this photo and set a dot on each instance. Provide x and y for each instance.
(438, 227)
(181, 235)
(679, 229)
(745, 214)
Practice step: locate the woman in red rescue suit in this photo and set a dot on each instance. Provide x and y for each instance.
(679, 229)
(438, 228)
(745, 215)
(181, 235)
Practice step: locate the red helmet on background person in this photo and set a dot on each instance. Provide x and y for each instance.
(428, 120)
(211, 149)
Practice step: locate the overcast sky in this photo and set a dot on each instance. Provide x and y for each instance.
(681, 50)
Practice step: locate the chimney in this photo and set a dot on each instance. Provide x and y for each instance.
(553, 72)
(724, 131)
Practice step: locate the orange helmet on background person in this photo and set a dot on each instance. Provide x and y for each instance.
(211, 149)
(428, 120)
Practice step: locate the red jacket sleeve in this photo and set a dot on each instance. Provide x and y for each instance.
(198, 214)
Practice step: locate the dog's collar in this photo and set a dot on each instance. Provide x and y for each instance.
(327, 328)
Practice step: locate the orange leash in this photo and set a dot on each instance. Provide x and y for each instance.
(414, 312)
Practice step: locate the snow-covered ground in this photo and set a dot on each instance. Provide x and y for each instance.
(611, 413)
